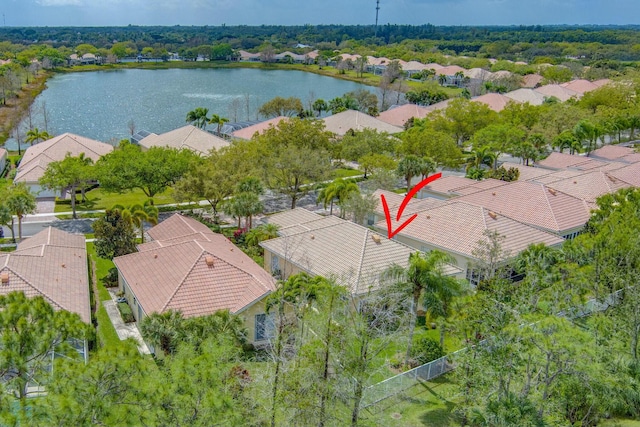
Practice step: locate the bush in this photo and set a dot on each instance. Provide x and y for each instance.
(126, 313)
(111, 279)
(425, 350)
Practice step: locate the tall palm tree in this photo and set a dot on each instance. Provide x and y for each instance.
(409, 167)
(36, 135)
(438, 300)
(588, 132)
(480, 156)
(338, 190)
(138, 214)
(198, 117)
(20, 202)
(427, 166)
(219, 121)
(424, 273)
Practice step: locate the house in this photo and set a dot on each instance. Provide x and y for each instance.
(532, 81)
(534, 204)
(581, 86)
(561, 161)
(556, 91)
(494, 101)
(347, 120)
(188, 137)
(394, 200)
(259, 128)
(191, 269)
(454, 186)
(590, 185)
(527, 173)
(630, 174)
(526, 95)
(617, 153)
(51, 264)
(398, 116)
(352, 255)
(248, 56)
(37, 157)
(456, 228)
(4, 156)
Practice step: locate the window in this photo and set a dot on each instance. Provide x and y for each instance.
(275, 265)
(265, 326)
(371, 219)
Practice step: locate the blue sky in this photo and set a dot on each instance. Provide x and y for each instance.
(292, 12)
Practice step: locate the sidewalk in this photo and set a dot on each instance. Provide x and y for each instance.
(124, 330)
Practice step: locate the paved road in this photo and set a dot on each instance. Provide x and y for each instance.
(29, 228)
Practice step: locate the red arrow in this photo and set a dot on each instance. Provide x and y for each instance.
(407, 198)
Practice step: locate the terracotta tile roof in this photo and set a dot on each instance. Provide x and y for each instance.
(394, 200)
(433, 66)
(415, 66)
(342, 122)
(580, 86)
(451, 186)
(495, 101)
(557, 161)
(612, 152)
(527, 173)
(590, 185)
(244, 55)
(398, 116)
(177, 226)
(532, 80)
(456, 227)
(197, 277)
(630, 174)
(601, 82)
(439, 105)
(562, 93)
(557, 175)
(449, 70)
(51, 264)
(533, 204)
(189, 137)
(501, 74)
(249, 131)
(351, 254)
(55, 149)
(526, 95)
(297, 220)
(630, 158)
(478, 74)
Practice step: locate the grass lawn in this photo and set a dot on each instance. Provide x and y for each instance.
(425, 404)
(346, 173)
(98, 199)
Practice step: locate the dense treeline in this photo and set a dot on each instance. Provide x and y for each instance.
(525, 42)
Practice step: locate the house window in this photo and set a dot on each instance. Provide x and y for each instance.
(275, 265)
(371, 219)
(265, 326)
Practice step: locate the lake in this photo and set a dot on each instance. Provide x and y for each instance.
(100, 104)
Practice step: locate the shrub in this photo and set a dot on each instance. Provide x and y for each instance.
(425, 350)
(126, 313)
(111, 279)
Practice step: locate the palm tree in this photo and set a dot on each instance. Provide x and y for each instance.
(320, 105)
(138, 214)
(589, 132)
(480, 156)
(339, 190)
(244, 205)
(438, 300)
(567, 139)
(198, 117)
(424, 273)
(409, 167)
(36, 135)
(427, 166)
(261, 233)
(442, 79)
(163, 330)
(20, 202)
(219, 121)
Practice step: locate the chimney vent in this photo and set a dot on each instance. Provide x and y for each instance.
(493, 215)
(312, 237)
(209, 259)
(4, 277)
(155, 256)
(375, 238)
(552, 191)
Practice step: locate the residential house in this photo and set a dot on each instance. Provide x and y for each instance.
(51, 264)
(590, 185)
(394, 200)
(526, 95)
(352, 255)
(581, 86)
(532, 81)
(37, 157)
(527, 173)
(556, 91)
(536, 205)
(457, 228)
(616, 153)
(400, 115)
(341, 123)
(188, 137)
(258, 128)
(494, 101)
(454, 186)
(191, 269)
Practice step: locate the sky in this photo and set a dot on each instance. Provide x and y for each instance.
(300, 12)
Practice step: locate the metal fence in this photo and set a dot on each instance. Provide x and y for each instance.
(397, 384)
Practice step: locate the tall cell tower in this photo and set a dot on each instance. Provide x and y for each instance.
(377, 10)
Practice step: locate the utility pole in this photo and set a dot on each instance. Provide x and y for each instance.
(377, 9)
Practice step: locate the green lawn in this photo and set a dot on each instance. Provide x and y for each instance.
(98, 199)
(102, 269)
(346, 173)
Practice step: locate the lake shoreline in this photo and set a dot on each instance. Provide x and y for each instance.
(12, 115)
